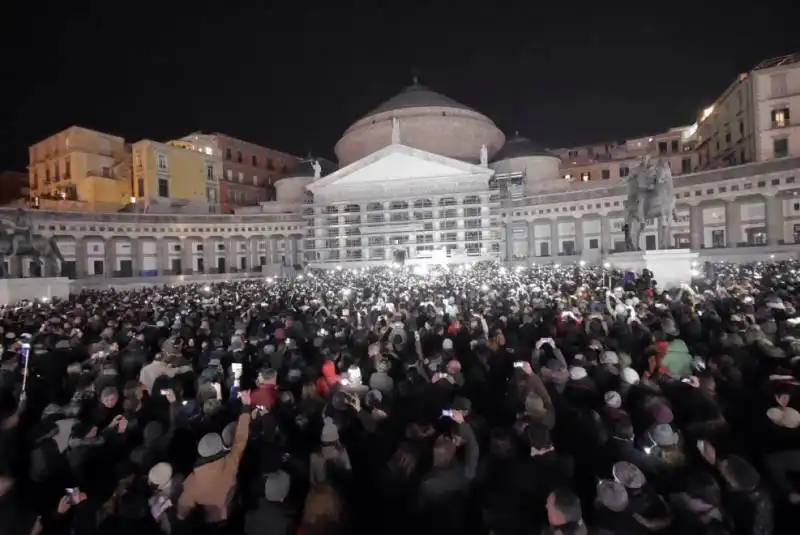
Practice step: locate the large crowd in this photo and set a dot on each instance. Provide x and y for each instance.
(562, 400)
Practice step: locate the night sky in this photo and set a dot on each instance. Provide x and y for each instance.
(294, 80)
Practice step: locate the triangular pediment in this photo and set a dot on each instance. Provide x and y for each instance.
(398, 163)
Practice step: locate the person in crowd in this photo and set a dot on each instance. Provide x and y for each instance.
(475, 399)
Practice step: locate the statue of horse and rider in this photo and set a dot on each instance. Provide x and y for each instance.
(651, 197)
(22, 242)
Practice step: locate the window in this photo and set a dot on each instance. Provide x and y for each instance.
(140, 187)
(777, 83)
(718, 238)
(586, 176)
(780, 147)
(254, 160)
(210, 172)
(662, 147)
(568, 177)
(686, 165)
(67, 168)
(675, 146)
(229, 174)
(605, 174)
(162, 162)
(228, 154)
(239, 156)
(594, 243)
(780, 118)
(624, 171)
(56, 171)
(138, 158)
(255, 180)
(241, 177)
(163, 187)
(270, 165)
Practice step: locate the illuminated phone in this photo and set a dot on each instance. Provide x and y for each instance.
(519, 364)
(236, 368)
(446, 413)
(24, 352)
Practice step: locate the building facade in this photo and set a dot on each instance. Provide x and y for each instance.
(90, 169)
(170, 177)
(752, 120)
(424, 179)
(249, 171)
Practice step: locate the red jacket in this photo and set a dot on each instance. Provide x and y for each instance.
(265, 395)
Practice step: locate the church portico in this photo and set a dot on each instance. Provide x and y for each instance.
(403, 204)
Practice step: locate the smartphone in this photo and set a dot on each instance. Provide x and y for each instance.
(262, 408)
(344, 382)
(446, 413)
(24, 353)
(236, 368)
(164, 392)
(519, 364)
(72, 494)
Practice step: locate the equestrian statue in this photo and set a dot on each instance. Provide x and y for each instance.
(22, 242)
(650, 197)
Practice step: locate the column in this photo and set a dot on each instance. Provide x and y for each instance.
(531, 239)
(110, 261)
(605, 234)
(187, 256)
(776, 229)
(162, 261)
(509, 242)
(136, 256)
(579, 235)
(555, 240)
(81, 259)
(696, 227)
(230, 254)
(208, 255)
(733, 223)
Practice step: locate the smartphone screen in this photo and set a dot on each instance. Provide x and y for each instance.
(23, 354)
(236, 368)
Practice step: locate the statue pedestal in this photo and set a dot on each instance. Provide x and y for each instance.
(15, 290)
(670, 267)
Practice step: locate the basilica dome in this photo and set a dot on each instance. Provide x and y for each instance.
(427, 121)
(540, 166)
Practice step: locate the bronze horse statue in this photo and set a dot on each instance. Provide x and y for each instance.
(650, 197)
(43, 250)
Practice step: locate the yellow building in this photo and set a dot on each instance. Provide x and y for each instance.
(91, 169)
(171, 176)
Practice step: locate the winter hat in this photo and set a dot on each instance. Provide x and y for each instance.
(628, 475)
(662, 413)
(534, 405)
(228, 434)
(630, 376)
(277, 486)
(663, 435)
(381, 381)
(576, 373)
(612, 495)
(460, 403)
(609, 358)
(330, 433)
(210, 445)
(613, 399)
(784, 417)
(373, 398)
(160, 475)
